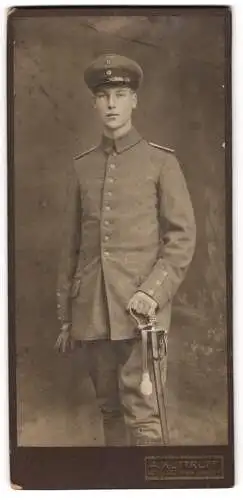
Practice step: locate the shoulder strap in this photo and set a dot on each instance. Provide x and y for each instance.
(169, 150)
(84, 153)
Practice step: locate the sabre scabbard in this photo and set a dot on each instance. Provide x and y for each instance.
(144, 328)
(154, 336)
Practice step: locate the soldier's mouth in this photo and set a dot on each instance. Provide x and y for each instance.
(111, 115)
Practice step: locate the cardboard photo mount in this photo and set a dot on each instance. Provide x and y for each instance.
(57, 466)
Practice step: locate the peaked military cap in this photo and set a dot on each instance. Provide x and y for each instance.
(113, 69)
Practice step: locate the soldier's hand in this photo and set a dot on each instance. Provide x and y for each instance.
(143, 304)
(64, 340)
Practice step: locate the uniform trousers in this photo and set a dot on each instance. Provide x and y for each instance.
(129, 417)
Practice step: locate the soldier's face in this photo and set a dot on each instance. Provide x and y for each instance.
(115, 106)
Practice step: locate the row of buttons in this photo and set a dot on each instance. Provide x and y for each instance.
(58, 305)
(107, 207)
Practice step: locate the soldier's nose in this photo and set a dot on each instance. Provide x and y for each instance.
(111, 102)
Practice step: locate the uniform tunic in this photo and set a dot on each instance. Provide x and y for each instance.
(129, 226)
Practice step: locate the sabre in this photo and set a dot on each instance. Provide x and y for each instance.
(150, 333)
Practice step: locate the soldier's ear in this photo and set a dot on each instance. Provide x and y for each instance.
(134, 100)
(94, 100)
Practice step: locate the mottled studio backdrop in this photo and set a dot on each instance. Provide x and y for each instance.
(181, 105)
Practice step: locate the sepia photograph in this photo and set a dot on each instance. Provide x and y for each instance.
(119, 181)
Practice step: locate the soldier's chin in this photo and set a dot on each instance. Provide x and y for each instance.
(112, 124)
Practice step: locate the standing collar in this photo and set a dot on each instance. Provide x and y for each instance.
(128, 140)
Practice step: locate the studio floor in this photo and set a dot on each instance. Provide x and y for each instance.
(57, 406)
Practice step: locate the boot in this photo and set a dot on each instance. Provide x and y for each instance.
(115, 431)
(139, 439)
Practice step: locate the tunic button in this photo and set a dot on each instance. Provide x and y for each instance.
(150, 292)
(58, 306)
(158, 282)
(106, 222)
(112, 165)
(106, 254)
(108, 207)
(109, 193)
(106, 238)
(110, 179)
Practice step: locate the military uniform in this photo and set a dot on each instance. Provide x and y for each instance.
(129, 226)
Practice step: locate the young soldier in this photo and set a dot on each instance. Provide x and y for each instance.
(129, 239)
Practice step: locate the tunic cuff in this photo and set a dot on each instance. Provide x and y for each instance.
(158, 286)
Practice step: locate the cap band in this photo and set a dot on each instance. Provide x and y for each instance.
(113, 70)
